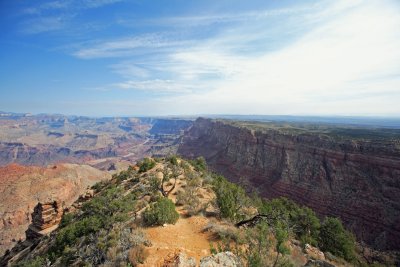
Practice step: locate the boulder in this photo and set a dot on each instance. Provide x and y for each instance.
(314, 253)
(221, 259)
(179, 259)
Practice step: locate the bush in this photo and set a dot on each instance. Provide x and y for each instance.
(173, 160)
(335, 239)
(160, 212)
(36, 262)
(146, 164)
(231, 198)
(199, 164)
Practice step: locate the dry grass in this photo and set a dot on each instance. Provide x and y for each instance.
(137, 255)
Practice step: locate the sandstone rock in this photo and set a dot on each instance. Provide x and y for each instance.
(222, 259)
(318, 263)
(179, 259)
(314, 253)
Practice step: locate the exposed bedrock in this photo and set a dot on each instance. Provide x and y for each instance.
(354, 180)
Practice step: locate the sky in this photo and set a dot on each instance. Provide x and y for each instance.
(177, 57)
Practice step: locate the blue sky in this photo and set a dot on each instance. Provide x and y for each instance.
(116, 57)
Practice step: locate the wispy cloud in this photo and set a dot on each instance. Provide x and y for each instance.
(127, 46)
(56, 15)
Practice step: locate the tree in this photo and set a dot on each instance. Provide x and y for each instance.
(335, 239)
(281, 235)
(307, 226)
(146, 164)
(231, 198)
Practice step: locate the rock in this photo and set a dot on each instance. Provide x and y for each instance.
(221, 259)
(45, 218)
(179, 259)
(314, 253)
(318, 263)
(46, 215)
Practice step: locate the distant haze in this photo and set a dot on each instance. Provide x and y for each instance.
(116, 57)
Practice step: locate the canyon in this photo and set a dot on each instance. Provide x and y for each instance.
(100, 142)
(352, 174)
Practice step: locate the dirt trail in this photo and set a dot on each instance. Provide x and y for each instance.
(186, 236)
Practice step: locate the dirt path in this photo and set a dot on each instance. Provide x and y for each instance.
(186, 236)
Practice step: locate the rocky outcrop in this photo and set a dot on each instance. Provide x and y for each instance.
(222, 259)
(45, 218)
(179, 259)
(358, 181)
(22, 187)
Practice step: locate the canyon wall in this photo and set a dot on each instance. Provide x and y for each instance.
(358, 181)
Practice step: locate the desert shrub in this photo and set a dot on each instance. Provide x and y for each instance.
(36, 262)
(335, 239)
(160, 212)
(66, 219)
(231, 198)
(307, 226)
(173, 160)
(69, 234)
(137, 255)
(190, 200)
(99, 185)
(302, 220)
(146, 164)
(199, 164)
(225, 232)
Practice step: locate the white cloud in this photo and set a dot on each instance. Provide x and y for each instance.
(126, 46)
(159, 86)
(333, 58)
(349, 64)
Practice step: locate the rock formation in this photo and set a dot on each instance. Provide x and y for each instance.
(226, 258)
(45, 218)
(355, 180)
(22, 187)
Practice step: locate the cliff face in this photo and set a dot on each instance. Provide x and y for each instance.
(356, 181)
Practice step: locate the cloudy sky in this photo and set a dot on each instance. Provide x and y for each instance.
(177, 57)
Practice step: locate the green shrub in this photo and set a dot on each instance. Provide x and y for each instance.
(173, 160)
(66, 219)
(199, 164)
(160, 212)
(146, 164)
(335, 239)
(36, 262)
(231, 198)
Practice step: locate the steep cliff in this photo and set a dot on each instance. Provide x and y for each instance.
(354, 179)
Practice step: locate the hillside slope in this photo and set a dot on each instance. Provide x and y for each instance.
(22, 187)
(171, 212)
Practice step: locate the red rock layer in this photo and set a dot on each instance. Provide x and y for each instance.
(356, 181)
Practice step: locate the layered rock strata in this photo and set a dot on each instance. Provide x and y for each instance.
(45, 218)
(358, 181)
